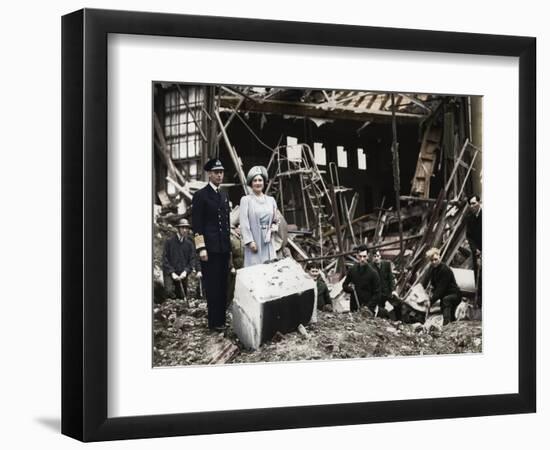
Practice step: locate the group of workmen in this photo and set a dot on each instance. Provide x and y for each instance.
(372, 283)
(206, 252)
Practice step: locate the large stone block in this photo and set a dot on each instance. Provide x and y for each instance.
(272, 297)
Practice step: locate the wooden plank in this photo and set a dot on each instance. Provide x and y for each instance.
(223, 352)
(315, 110)
(164, 153)
(297, 248)
(420, 184)
(234, 157)
(455, 168)
(164, 199)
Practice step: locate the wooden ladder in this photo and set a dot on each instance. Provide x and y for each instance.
(420, 185)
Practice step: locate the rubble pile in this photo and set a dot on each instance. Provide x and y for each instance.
(181, 338)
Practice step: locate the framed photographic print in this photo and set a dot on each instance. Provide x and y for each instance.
(280, 224)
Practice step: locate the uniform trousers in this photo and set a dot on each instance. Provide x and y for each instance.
(214, 279)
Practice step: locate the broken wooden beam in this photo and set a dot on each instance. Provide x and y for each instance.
(315, 110)
(456, 166)
(224, 352)
(410, 198)
(296, 248)
(181, 189)
(396, 176)
(337, 226)
(233, 154)
(470, 168)
(353, 252)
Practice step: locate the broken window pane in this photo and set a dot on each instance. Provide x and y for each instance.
(170, 189)
(320, 154)
(182, 123)
(293, 150)
(342, 156)
(184, 149)
(361, 159)
(193, 169)
(174, 151)
(191, 149)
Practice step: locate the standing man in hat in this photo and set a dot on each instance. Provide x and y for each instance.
(210, 215)
(178, 261)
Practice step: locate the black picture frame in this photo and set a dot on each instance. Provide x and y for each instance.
(84, 224)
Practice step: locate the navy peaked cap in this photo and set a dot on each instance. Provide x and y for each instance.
(213, 164)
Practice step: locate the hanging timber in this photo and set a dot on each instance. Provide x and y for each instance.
(426, 162)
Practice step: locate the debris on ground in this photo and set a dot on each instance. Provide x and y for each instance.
(181, 338)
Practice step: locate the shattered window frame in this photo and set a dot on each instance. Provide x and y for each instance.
(361, 159)
(342, 157)
(181, 127)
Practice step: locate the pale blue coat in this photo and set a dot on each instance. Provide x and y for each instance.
(256, 218)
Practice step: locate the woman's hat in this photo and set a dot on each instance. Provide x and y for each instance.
(254, 172)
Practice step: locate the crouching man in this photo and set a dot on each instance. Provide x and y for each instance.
(443, 282)
(178, 261)
(387, 286)
(323, 297)
(363, 283)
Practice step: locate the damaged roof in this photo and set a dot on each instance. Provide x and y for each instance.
(330, 104)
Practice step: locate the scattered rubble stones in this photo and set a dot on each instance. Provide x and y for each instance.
(181, 337)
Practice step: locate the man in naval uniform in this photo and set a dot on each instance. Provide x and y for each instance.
(210, 215)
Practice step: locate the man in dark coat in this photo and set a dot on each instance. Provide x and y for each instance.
(444, 285)
(473, 228)
(363, 283)
(473, 234)
(178, 261)
(323, 297)
(387, 285)
(210, 215)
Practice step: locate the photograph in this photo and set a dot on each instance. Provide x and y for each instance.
(277, 224)
(299, 224)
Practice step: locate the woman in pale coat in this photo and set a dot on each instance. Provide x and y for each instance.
(258, 219)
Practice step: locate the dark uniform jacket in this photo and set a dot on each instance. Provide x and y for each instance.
(443, 282)
(366, 282)
(210, 215)
(473, 229)
(387, 280)
(323, 296)
(178, 256)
